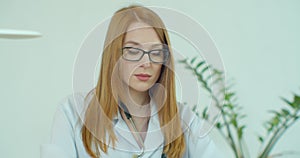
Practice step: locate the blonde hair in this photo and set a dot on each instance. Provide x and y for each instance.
(104, 107)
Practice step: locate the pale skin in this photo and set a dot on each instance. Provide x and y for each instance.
(140, 35)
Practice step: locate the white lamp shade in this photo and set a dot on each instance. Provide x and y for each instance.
(18, 34)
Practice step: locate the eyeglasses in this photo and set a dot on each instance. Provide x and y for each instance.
(155, 55)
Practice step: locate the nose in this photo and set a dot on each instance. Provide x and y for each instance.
(145, 61)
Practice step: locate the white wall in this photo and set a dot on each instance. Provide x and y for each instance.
(258, 42)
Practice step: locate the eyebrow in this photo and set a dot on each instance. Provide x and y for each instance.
(132, 42)
(137, 43)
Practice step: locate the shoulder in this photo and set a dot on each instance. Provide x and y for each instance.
(73, 106)
(192, 124)
(65, 132)
(198, 139)
(71, 102)
(186, 113)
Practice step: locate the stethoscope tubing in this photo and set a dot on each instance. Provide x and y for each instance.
(129, 117)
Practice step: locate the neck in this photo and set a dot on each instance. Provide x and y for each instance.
(139, 98)
(139, 108)
(138, 103)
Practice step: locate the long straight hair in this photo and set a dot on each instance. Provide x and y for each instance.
(97, 130)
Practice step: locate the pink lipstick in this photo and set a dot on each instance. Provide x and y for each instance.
(143, 77)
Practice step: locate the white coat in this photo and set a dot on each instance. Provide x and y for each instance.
(66, 134)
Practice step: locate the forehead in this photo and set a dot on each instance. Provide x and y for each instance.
(139, 33)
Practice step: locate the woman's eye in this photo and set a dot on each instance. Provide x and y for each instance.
(133, 51)
(157, 53)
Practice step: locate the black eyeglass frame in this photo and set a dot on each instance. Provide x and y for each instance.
(165, 49)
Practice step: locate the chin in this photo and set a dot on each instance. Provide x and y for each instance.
(141, 88)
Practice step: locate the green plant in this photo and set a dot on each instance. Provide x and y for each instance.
(229, 125)
(279, 123)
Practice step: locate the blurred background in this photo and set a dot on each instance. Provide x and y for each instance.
(258, 42)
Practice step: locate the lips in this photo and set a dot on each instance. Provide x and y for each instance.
(143, 77)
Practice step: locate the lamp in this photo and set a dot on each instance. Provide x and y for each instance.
(18, 34)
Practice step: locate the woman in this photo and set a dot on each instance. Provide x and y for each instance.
(132, 112)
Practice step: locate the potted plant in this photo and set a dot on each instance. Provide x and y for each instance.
(231, 115)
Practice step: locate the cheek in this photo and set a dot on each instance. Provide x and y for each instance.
(157, 70)
(126, 70)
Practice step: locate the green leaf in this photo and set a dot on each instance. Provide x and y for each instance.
(194, 108)
(217, 72)
(199, 64)
(193, 59)
(234, 123)
(228, 95)
(270, 127)
(261, 139)
(242, 116)
(288, 102)
(275, 121)
(205, 69)
(204, 113)
(285, 112)
(240, 131)
(230, 106)
(219, 125)
(183, 60)
(296, 101)
(188, 67)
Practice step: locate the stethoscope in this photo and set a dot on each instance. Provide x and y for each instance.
(129, 117)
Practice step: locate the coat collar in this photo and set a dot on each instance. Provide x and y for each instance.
(154, 137)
